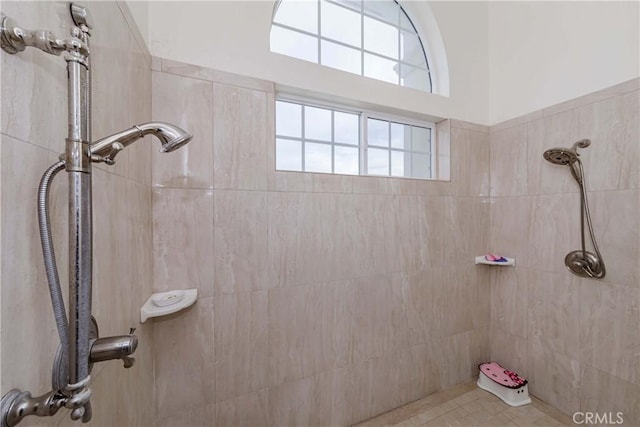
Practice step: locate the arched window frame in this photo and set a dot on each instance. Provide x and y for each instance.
(404, 26)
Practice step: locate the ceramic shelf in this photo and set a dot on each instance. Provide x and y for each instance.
(482, 260)
(164, 303)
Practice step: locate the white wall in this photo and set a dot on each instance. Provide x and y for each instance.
(234, 36)
(542, 53)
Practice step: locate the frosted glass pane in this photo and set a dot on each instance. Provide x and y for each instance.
(341, 24)
(380, 68)
(288, 155)
(341, 57)
(317, 123)
(317, 157)
(293, 43)
(387, 10)
(420, 138)
(400, 136)
(298, 14)
(411, 50)
(415, 78)
(378, 132)
(346, 160)
(380, 38)
(398, 163)
(346, 128)
(288, 119)
(378, 162)
(420, 167)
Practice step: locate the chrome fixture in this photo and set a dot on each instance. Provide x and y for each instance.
(80, 345)
(580, 262)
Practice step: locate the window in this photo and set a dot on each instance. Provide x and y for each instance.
(313, 138)
(374, 39)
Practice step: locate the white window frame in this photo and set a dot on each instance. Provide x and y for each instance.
(364, 115)
(363, 51)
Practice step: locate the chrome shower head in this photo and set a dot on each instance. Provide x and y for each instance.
(565, 156)
(171, 137)
(561, 156)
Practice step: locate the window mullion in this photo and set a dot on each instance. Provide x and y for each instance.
(364, 165)
(303, 141)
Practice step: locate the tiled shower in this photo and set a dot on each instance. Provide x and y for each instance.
(323, 299)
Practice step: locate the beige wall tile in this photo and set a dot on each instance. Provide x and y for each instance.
(554, 230)
(309, 330)
(616, 222)
(182, 239)
(239, 138)
(612, 127)
(604, 393)
(508, 162)
(183, 366)
(509, 300)
(242, 344)
(509, 228)
(248, 410)
(469, 162)
(553, 301)
(609, 317)
(240, 241)
(307, 401)
(186, 103)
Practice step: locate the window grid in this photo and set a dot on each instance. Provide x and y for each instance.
(363, 13)
(363, 144)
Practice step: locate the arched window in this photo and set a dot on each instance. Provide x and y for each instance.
(374, 39)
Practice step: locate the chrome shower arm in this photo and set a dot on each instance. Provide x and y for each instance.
(15, 39)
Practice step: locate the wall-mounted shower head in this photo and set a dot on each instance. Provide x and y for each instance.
(565, 156)
(171, 137)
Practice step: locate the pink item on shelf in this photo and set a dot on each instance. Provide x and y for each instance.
(495, 258)
(499, 375)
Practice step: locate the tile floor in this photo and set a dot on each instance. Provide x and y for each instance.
(468, 406)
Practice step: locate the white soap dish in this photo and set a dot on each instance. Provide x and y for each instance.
(164, 303)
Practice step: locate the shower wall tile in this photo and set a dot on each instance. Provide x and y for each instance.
(609, 318)
(242, 344)
(508, 162)
(509, 300)
(34, 83)
(239, 138)
(554, 305)
(616, 222)
(26, 312)
(291, 181)
(612, 127)
(604, 393)
(183, 366)
(247, 410)
(558, 130)
(555, 377)
(183, 236)
(470, 162)
(509, 232)
(309, 330)
(202, 73)
(186, 103)
(304, 402)
(240, 241)
(554, 230)
(194, 417)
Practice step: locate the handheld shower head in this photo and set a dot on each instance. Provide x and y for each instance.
(171, 137)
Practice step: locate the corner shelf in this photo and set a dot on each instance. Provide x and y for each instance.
(482, 260)
(164, 303)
